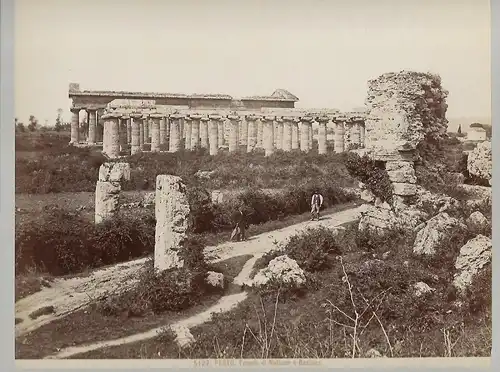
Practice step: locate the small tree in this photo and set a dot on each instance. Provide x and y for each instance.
(59, 124)
(459, 131)
(32, 126)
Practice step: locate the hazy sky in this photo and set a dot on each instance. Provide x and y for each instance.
(322, 51)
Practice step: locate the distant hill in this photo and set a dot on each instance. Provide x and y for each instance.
(465, 122)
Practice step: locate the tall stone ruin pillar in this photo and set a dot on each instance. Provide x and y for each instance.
(172, 215)
(175, 133)
(305, 131)
(135, 143)
(111, 144)
(234, 133)
(107, 191)
(195, 131)
(243, 134)
(122, 132)
(75, 126)
(356, 133)
(186, 130)
(91, 139)
(163, 131)
(339, 135)
(287, 134)
(214, 134)
(295, 134)
(129, 130)
(155, 132)
(141, 131)
(322, 121)
(362, 133)
(252, 132)
(221, 130)
(99, 126)
(311, 134)
(260, 133)
(268, 135)
(204, 132)
(279, 136)
(146, 129)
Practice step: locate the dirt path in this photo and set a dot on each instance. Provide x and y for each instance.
(71, 294)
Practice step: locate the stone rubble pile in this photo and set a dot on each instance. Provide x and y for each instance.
(282, 269)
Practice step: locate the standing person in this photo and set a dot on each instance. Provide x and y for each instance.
(240, 225)
(316, 203)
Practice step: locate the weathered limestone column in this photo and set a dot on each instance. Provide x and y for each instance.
(155, 132)
(135, 143)
(362, 133)
(295, 134)
(100, 126)
(252, 132)
(141, 131)
(75, 126)
(260, 133)
(92, 126)
(323, 121)
(310, 129)
(214, 133)
(195, 134)
(204, 132)
(268, 135)
(172, 217)
(233, 134)
(305, 123)
(111, 144)
(356, 133)
(221, 130)
(339, 135)
(122, 128)
(243, 134)
(129, 131)
(107, 191)
(281, 133)
(163, 130)
(287, 134)
(175, 133)
(146, 129)
(186, 131)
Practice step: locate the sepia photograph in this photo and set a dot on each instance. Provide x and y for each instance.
(230, 182)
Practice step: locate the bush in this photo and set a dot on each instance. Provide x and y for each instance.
(65, 243)
(372, 174)
(175, 289)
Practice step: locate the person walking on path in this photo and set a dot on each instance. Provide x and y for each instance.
(240, 225)
(316, 203)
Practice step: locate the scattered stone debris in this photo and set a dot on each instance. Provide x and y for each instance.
(474, 255)
(373, 353)
(282, 269)
(434, 232)
(215, 279)
(422, 288)
(184, 337)
(476, 221)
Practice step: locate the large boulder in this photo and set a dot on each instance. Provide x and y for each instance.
(435, 230)
(476, 221)
(215, 279)
(282, 269)
(474, 255)
(479, 161)
(436, 202)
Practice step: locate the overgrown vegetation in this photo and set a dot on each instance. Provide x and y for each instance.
(372, 173)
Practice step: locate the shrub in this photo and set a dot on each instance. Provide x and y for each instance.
(371, 173)
(65, 243)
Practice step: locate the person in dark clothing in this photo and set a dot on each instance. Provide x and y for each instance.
(239, 222)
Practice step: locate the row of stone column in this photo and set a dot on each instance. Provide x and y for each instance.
(197, 131)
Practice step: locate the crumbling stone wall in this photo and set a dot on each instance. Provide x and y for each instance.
(479, 161)
(404, 108)
(108, 187)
